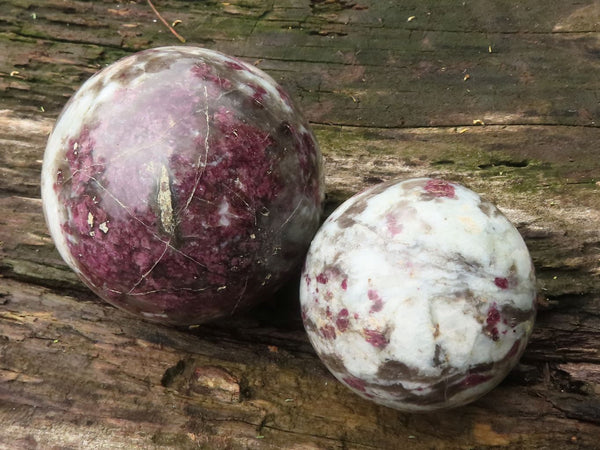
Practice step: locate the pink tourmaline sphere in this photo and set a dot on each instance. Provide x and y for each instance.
(182, 184)
(418, 294)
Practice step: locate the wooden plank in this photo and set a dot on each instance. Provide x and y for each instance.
(388, 97)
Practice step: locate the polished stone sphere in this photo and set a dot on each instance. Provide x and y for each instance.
(418, 294)
(182, 184)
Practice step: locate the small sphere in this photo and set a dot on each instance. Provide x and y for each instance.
(182, 184)
(418, 295)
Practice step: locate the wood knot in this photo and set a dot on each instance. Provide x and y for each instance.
(215, 382)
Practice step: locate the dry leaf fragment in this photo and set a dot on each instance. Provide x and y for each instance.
(118, 12)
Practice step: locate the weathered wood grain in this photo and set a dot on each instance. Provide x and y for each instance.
(500, 96)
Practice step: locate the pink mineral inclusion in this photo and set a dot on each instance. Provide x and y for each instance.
(304, 313)
(355, 383)
(502, 283)
(328, 313)
(259, 94)
(473, 379)
(342, 321)
(492, 320)
(392, 225)
(376, 299)
(206, 72)
(440, 188)
(234, 65)
(493, 316)
(376, 338)
(328, 332)
(322, 278)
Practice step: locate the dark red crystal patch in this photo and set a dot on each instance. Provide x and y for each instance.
(501, 282)
(440, 188)
(376, 338)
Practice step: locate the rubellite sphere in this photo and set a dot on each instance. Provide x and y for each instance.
(418, 295)
(182, 184)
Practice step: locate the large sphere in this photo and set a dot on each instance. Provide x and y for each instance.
(182, 184)
(418, 295)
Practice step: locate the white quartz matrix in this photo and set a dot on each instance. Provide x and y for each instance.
(418, 294)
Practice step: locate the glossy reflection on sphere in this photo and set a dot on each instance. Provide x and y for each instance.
(181, 184)
(418, 294)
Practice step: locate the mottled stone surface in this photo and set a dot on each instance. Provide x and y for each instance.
(182, 184)
(418, 294)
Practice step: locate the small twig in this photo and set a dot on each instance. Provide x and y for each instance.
(171, 29)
